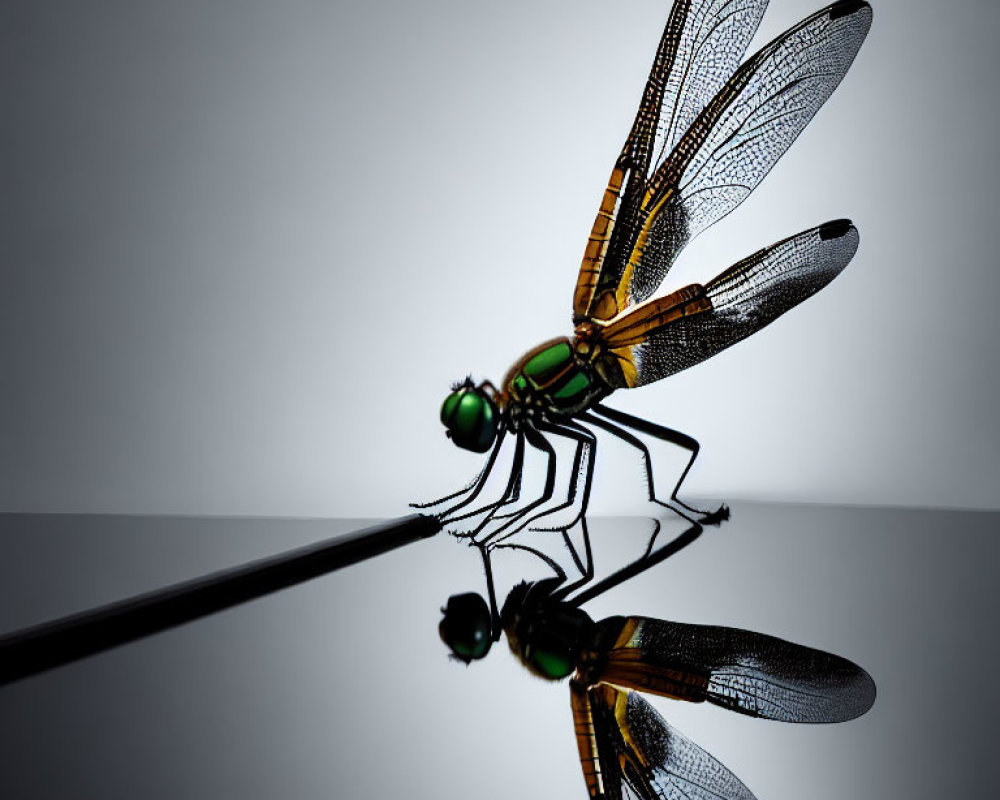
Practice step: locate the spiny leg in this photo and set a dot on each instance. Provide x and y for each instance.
(583, 461)
(639, 445)
(510, 496)
(475, 486)
(515, 495)
(510, 493)
(539, 442)
(665, 434)
(511, 490)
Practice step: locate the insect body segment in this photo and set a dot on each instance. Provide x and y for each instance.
(554, 378)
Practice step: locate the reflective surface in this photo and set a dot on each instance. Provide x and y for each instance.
(342, 688)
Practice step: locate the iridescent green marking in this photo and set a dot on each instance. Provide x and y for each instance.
(574, 387)
(547, 364)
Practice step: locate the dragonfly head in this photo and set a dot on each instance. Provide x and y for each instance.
(471, 417)
(466, 627)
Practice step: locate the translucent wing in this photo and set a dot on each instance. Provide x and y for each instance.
(729, 148)
(658, 338)
(747, 672)
(701, 45)
(627, 750)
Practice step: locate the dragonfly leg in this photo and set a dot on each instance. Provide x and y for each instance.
(638, 566)
(512, 498)
(586, 568)
(537, 440)
(491, 593)
(510, 493)
(551, 563)
(583, 465)
(473, 489)
(665, 434)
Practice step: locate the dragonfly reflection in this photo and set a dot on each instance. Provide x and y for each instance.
(626, 748)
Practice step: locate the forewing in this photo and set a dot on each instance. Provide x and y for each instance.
(737, 138)
(628, 751)
(745, 298)
(702, 43)
(751, 673)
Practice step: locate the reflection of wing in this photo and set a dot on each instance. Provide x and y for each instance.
(663, 336)
(628, 751)
(728, 149)
(751, 673)
(701, 45)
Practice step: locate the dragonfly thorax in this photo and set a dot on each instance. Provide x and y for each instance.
(557, 378)
(547, 635)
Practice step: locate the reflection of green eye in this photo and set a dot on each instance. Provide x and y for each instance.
(466, 627)
(471, 419)
(554, 664)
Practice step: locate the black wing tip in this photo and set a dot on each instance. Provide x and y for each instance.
(835, 229)
(844, 8)
(861, 698)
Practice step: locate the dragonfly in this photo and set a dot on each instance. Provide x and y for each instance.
(626, 748)
(706, 133)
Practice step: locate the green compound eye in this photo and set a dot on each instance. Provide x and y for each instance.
(465, 627)
(471, 419)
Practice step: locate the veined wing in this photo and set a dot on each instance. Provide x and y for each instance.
(651, 342)
(747, 672)
(627, 750)
(702, 43)
(731, 146)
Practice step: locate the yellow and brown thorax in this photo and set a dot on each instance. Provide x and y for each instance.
(566, 376)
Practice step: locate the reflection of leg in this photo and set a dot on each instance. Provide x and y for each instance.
(638, 566)
(586, 568)
(580, 566)
(665, 434)
(551, 563)
(491, 592)
(583, 464)
(539, 442)
(475, 487)
(509, 494)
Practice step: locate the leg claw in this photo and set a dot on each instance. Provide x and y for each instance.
(717, 517)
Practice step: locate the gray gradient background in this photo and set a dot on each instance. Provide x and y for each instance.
(248, 245)
(189, 192)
